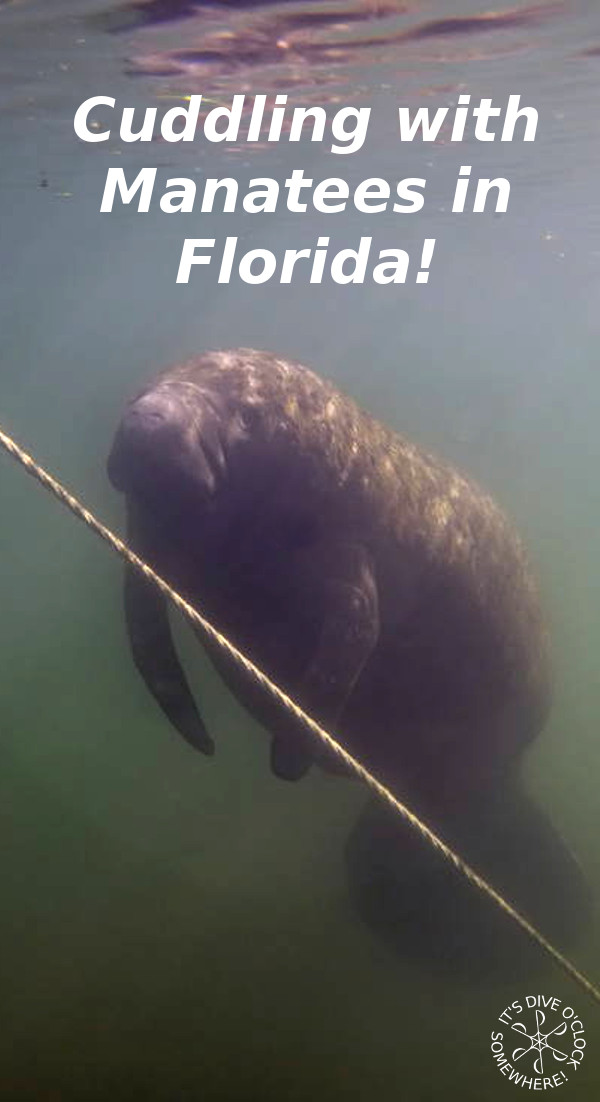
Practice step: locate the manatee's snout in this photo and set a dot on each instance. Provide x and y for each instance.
(165, 443)
(150, 430)
(148, 438)
(150, 413)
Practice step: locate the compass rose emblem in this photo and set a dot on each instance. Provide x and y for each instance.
(540, 1043)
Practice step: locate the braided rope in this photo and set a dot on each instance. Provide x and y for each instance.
(359, 770)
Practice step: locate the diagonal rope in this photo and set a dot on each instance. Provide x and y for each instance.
(359, 770)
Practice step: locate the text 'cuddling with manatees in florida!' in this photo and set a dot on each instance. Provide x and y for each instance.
(257, 122)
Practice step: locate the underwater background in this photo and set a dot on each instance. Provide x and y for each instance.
(178, 928)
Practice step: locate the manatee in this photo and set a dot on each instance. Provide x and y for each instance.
(378, 586)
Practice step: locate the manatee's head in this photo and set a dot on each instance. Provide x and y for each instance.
(171, 445)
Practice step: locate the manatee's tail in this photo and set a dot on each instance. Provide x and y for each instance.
(409, 893)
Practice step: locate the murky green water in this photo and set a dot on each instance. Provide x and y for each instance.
(175, 928)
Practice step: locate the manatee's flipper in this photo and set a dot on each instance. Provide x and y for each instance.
(349, 633)
(291, 755)
(154, 654)
(527, 857)
(406, 891)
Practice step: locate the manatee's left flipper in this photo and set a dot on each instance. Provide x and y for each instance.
(347, 594)
(292, 755)
(156, 659)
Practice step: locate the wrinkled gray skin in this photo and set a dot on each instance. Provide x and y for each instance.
(376, 585)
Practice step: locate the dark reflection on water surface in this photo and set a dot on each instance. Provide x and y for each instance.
(309, 43)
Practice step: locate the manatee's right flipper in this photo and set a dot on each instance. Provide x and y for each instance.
(154, 654)
(344, 574)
